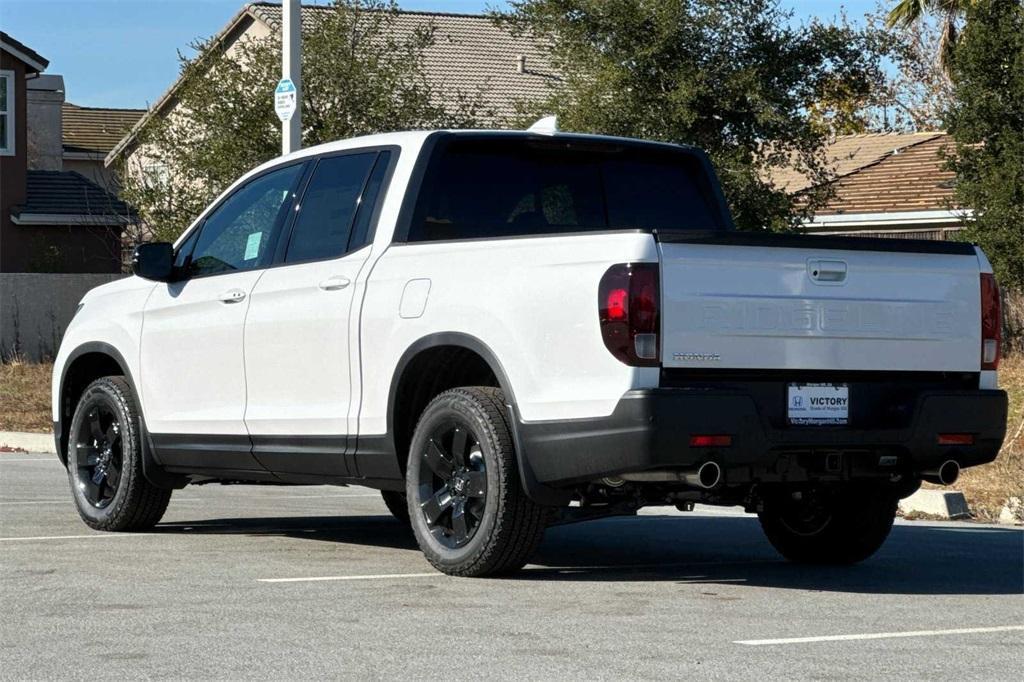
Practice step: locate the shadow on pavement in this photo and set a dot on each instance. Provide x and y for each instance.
(917, 559)
(376, 531)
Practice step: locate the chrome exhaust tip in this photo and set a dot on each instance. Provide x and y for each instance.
(945, 474)
(708, 476)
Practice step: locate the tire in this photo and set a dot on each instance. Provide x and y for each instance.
(105, 461)
(397, 504)
(837, 526)
(462, 465)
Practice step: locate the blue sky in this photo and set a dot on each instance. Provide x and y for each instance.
(122, 53)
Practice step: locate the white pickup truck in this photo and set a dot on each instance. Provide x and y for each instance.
(505, 330)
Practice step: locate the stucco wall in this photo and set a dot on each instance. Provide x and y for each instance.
(45, 122)
(95, 172)
(35, 309)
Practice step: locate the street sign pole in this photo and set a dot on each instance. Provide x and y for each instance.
(290, 113)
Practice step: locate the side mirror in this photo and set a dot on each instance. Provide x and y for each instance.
(153, 261)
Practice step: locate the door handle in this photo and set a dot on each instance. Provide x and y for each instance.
(335, 283)
(232, 296)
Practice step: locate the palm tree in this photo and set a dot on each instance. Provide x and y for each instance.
(906, 12)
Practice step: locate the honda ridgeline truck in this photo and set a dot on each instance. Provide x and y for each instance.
(506, 330)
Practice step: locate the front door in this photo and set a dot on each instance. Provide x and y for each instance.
(192, 363)
(297, 333)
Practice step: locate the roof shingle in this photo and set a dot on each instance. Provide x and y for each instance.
(71, 194)
(849, 153)
(470, 54)
(96, 130)
(22, 51)
(910, 178)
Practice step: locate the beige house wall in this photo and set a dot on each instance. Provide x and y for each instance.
(95, 171)
(141, 159)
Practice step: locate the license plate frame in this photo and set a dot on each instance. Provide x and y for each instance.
(817, 404)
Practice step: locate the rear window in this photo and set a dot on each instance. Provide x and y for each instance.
(507, 188)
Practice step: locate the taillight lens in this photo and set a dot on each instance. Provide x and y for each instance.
(628, 307)
(991, 322)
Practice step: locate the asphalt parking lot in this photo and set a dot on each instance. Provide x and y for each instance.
(300, 582)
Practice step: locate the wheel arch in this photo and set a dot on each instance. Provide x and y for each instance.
(404, 405)
(410, 364)
(85, 364)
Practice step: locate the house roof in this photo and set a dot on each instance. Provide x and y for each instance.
(96, 130)
(55, 195)
(850, 153)
(21, 51)
(470, 54)
(908, 178)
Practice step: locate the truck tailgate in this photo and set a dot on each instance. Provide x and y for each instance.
(794, 302)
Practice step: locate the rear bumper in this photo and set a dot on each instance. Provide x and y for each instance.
(651, 429)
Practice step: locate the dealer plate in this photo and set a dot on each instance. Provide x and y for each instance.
(818, 403)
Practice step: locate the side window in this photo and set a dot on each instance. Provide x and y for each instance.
(236, 235)
(6, 113)
(329, 204)
(181, 256)
(360, 231)
(493, 188)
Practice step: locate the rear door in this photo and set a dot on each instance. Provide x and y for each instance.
(298, 354)
(793, 302)
(192, 373)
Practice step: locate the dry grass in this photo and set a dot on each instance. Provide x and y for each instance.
(25, 396)
(988, 487)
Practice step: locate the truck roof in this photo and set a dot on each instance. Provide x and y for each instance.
(416, 138)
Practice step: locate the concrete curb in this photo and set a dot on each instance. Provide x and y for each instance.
(30, 442)
(1012, 512)
(940, 503)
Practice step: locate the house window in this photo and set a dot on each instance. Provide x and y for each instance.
(156, 174)
(6, 113)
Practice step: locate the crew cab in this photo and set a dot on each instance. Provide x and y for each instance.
(506, 330)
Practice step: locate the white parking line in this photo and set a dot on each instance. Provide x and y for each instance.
(879, 635)
(70, 501)
(28, 459)
(76, 537)
(382, 576)
(204, 499)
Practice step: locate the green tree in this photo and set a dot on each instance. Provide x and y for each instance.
(907, 12)
(735, 77)
(359, 76)
(987, 125)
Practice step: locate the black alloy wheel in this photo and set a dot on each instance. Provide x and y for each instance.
(806, 518)
(836, 525)
(100, 460)
(104, 460)
(467, 507)
(453, 484)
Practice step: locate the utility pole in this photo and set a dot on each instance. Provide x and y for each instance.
(291, 72)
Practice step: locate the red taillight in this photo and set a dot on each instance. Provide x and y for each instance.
(618, 304)
(709, 441)
(991, 322)
(628, 308)
(955, 439)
